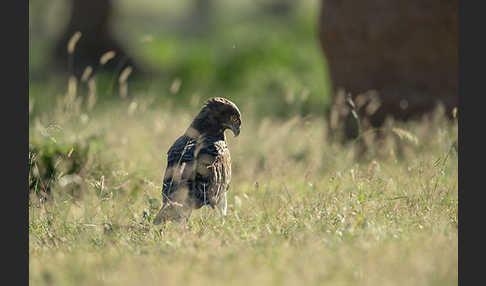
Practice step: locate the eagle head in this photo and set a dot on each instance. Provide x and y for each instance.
(217, 115)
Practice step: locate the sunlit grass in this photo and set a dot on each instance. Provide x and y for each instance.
(302, 208)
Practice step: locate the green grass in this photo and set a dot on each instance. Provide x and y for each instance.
(302, 209)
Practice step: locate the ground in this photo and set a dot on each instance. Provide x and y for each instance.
(302, 208)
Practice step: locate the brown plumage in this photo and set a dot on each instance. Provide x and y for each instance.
(198, 169)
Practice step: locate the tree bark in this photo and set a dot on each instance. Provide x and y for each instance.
(93, 19)
(405, 50)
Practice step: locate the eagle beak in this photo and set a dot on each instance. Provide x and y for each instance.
(235, 129)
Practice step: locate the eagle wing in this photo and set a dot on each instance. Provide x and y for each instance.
(198, 172)
(180, 166)
(203, 166)
(177, 181)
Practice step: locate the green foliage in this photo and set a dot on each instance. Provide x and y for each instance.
(52, 162)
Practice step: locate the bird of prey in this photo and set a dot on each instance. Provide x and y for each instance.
(198, 169)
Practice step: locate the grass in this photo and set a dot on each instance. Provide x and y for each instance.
(302, 208)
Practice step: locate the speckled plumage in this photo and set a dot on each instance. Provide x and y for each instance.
(198, 169)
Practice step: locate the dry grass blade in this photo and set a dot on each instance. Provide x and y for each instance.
(73, 41)
(31, 104)
(404, 134)
(175, 86)
(92, 93)
(72, 87)
(86, 74)
(125, 74)
(70, 152)
(373, 105)
(107, 56)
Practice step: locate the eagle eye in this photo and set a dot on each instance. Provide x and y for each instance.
(234, 118)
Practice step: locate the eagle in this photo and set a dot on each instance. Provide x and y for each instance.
(198, 169)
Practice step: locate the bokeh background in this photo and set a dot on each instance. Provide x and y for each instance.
(293, 57)
(265, 50)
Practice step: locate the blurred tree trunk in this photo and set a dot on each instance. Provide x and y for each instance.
(279, 8)
(198, 21)
(92, 18)
(405, 50)
(202, 12)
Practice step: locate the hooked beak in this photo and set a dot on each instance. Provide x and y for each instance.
(236, 130)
